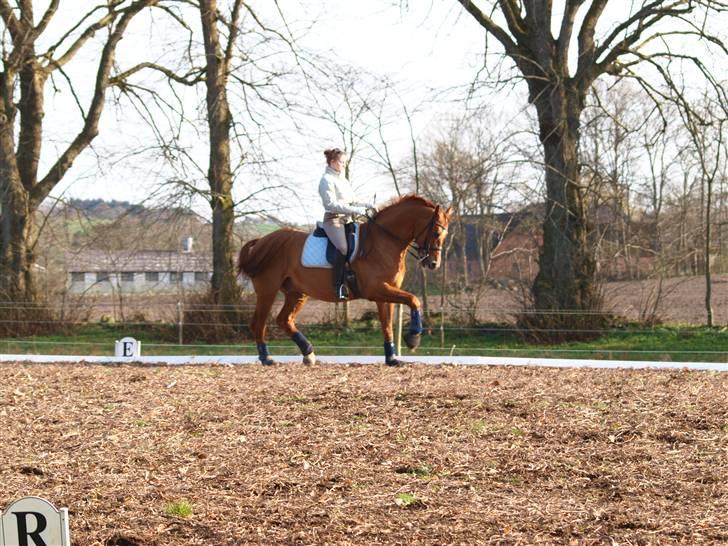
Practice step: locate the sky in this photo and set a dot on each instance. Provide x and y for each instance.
(423, 46)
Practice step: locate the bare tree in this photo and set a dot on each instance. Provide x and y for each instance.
(610, 157)
(705, 124)
(219, 118)
(239, 85)
(566, 270)
(26, 74)
(348, 99)
(471, 166)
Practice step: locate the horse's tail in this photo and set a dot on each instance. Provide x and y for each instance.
(246, 263)
(257, 254)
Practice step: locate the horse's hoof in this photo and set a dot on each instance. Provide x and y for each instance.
(412, 339)
(393, 362)
(310, 358)
(268, 362)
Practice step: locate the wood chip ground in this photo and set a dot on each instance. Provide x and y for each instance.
(369, 455)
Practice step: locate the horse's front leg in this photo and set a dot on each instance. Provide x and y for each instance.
(386, 311)
(391, 294)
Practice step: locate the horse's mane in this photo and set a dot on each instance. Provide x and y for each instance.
(410, 197)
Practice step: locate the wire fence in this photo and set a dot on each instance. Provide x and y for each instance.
(93, 329)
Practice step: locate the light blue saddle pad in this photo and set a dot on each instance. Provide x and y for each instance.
(318, 251)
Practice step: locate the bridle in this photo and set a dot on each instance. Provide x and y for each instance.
(422, 251)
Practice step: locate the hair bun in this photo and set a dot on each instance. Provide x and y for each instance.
(333, 153)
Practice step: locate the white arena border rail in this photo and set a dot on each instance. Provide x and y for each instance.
(355, 359)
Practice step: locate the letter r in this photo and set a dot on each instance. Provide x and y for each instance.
(23, 533)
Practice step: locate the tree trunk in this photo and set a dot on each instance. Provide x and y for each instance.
(18, 233)
(224, 283)
(708, 281)
(565, 280)
(225, 289)
(464, 247)
(708, 236)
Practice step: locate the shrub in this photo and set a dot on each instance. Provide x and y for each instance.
(204, 320)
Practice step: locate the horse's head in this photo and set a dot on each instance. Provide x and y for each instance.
(431, 237)
(416, 222)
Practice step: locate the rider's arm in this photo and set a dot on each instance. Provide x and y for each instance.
(331, 203)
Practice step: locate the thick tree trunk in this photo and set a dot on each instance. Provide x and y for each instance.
(225, 289)
(565, 280)
(224, 283)
(18, 233)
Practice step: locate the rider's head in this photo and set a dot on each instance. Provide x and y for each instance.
(336, 159)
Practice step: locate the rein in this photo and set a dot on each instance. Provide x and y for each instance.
(422, 252)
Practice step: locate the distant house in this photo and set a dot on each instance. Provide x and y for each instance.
(142, 271)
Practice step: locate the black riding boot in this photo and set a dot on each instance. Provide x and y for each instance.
(340, 290)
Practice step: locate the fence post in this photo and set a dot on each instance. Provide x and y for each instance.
(399, 329)
(442, 327)
(180, 322)
(443, 300)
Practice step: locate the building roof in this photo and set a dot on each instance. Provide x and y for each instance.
(138, 261)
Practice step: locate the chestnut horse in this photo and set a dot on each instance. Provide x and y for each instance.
(273, 263)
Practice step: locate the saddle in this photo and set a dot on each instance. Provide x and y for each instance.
(318, 251)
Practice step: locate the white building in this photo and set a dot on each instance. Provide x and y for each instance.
(133, 272)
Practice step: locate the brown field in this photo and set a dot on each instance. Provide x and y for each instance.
(680, 300)
(367, 454)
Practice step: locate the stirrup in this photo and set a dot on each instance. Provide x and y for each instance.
(341, 292)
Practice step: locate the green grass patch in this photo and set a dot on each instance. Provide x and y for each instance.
(632, 342)
(179, 509)
(409, 500)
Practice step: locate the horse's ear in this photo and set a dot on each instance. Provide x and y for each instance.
(448, 212)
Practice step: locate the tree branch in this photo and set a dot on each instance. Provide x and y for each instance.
(188, 79)
(15, 27)
(90, 129)
(488, 24)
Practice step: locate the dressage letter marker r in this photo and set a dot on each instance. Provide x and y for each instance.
(32, 521)
(23, 534)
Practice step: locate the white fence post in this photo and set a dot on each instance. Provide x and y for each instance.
(399, 329)
(180, 322)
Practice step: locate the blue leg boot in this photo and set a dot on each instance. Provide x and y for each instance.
(309, 357)
(263, 355)
(389, 358)
(412, 337)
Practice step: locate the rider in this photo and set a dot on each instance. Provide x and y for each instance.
(339, 201)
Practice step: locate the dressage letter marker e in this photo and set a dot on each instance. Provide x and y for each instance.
(32, 521)
(128, 347)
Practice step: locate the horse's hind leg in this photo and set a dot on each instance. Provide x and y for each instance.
(287, 321)
(263, 304)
